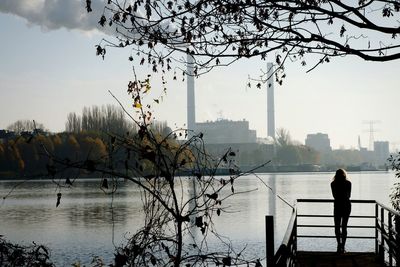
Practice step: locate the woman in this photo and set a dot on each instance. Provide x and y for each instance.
(341, 191)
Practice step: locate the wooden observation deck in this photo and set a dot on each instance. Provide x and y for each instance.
(386, 228)
(332, 259)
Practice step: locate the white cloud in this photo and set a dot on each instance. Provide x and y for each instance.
(55, 14)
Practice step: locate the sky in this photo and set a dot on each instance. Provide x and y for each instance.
(48, 68)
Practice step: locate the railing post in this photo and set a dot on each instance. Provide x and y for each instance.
(397, 238)
(295, 234)
(376, 229)
(295, 242)
(390, 234)
(269, 239)
(382, 245)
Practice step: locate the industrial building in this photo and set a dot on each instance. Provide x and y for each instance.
(381, 151)
(226, 131)
(319, 142)
(223, 134)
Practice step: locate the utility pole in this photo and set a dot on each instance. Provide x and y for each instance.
(371, 131)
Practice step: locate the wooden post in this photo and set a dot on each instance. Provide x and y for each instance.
(269, 239)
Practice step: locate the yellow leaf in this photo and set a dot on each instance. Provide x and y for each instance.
(147, 88)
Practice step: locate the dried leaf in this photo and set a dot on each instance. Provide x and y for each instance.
(213, 196)
(58, 199)
(68, 181)
(227, 261)
(199, 221)
(104, 183)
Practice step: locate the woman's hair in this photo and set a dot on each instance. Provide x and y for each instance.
(340, 175)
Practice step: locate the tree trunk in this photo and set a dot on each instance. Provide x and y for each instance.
(179, 243)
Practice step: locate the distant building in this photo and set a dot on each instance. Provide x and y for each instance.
(319, 142)
(381, 151)
(226, 132)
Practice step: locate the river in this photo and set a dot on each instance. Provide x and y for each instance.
(85, 225)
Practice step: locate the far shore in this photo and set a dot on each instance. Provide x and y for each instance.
(220, 172)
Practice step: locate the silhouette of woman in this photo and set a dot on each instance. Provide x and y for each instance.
(341, 191)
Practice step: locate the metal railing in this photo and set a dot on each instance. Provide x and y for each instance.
(386, 225)
(387, 234)
(286, 253)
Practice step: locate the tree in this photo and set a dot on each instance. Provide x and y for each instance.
(73, 124)
(291, 152)
(1, 150)
(104, 119)
(308, 155)
(283, 138)
(219, 32)
(160, 165)
(289, 155)
(25, 125)
(394, 161)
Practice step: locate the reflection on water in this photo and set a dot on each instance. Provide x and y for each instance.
(82, 227)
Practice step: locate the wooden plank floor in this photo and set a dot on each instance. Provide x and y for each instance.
(333, 259)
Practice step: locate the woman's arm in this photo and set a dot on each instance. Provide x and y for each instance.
(333, 190)
(349, 192)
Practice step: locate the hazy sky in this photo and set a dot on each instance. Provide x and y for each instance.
(48, 68)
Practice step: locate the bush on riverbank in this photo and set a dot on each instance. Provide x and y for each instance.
(24, 256)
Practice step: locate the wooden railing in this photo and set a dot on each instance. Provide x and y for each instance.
(387, 233)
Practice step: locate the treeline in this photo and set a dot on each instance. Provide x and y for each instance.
(25, 125)
(27, 156)
(107, 119)
(283, 152)
(289, 152)
(296, 155)
(86, 137)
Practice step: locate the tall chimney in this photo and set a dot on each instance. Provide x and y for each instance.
(270, 102)
(191, 111)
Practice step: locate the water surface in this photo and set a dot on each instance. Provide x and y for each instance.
(90, 223)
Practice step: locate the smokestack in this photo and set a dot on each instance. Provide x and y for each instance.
(270, 102)
(191, 111)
